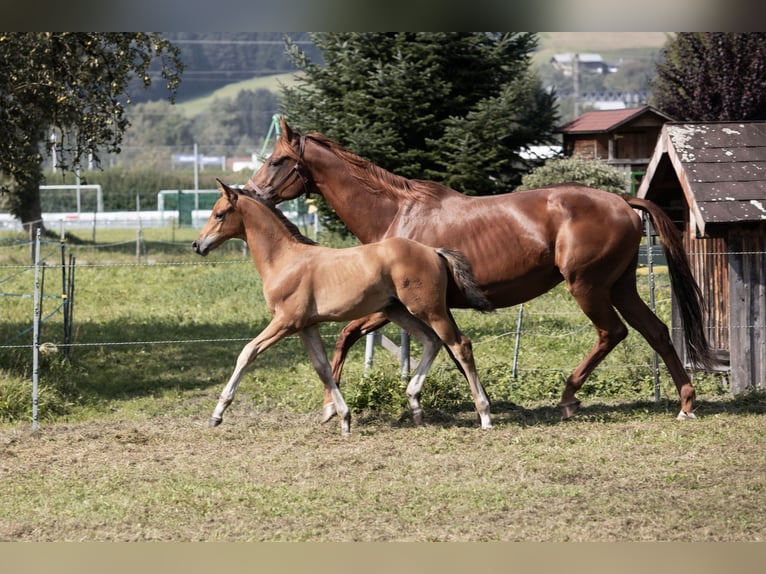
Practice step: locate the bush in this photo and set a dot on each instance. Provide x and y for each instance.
(593, 173)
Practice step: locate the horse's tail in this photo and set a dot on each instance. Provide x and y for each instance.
(462, 274)
(688, 293)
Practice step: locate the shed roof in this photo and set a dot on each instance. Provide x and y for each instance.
(720, 166)
(601, 121)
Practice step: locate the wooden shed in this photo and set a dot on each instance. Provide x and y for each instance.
(623, 138)
(711, 179)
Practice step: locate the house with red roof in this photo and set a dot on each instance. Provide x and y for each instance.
(624, 139)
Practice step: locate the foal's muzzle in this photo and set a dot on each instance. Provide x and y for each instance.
(198, 249)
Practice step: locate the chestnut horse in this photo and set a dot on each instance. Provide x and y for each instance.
(306, 284)
(520, 245)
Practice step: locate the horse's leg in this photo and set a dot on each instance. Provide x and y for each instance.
(461, 351)
(351, 334)
(596, 304)
(431, 346)
(640, 317)
(313, 343)
(273, 333)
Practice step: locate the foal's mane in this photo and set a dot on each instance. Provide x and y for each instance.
(289, 225)
(376, 179)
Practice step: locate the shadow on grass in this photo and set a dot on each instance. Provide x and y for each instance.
(611, 410)
(131, 360)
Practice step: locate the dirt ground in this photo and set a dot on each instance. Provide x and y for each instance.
(617, 473)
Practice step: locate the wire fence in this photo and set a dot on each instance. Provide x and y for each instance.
(57, 257)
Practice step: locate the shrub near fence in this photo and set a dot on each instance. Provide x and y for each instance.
(169, 324)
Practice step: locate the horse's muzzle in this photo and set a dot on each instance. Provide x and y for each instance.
(198, 250)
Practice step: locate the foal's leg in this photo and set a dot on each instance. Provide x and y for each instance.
(351, 334)
(596, 304)
(461, 351)
(273, 333)
(313, 343)
(431, 347)
(640, 317)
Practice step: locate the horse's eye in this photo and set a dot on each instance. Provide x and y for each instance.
(220, 215)
(276, 162)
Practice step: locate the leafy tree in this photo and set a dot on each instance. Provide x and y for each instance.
(72, 85)
(593, 173)
(710, 76)
(452, 107)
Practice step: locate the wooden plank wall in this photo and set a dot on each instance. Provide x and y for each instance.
(747, 303)
(709, 263)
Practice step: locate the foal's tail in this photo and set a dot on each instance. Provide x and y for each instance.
(687, 291)
(462, 274)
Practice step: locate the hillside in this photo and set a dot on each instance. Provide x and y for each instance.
(194, 106)
(613, 46)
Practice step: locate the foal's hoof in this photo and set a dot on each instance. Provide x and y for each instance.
(569, 409)
(215, 421)
(328, 411)
(682, 416)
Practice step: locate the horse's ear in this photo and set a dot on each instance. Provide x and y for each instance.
(287, 132)
(227, 192)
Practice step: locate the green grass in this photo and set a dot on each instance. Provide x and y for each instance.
(274, 83)
(124, 452)
(157, 321)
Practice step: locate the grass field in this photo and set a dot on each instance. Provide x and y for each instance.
(124, 453)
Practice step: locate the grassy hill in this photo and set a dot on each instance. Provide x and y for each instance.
(611, 45)
(194, 106)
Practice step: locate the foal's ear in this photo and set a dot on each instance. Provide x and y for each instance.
(227, 192)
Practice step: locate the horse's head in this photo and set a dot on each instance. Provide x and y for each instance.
(283, 175)
(225, 222)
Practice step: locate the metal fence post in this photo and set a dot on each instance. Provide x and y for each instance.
(650, 265)
(36, 333)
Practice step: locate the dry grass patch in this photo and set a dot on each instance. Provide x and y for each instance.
(619, 472)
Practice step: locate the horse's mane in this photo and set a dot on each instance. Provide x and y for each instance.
(289, 225)
(377, 179)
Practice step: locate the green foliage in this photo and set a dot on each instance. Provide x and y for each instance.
(592, 173)
(380, 390)
(72, 84)
(712, 76)
(16, 398)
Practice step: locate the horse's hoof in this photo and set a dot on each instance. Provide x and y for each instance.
(215, 421)
(328, 411)
(569, 409)
(682, 416)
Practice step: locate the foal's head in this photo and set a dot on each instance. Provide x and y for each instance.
(225, 222)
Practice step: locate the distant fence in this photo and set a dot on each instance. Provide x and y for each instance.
(67, 267)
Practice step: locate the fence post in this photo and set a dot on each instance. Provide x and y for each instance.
(369, 351)
(518, 340)
(36, 332)
(64, 291)
(650, 265)
(405, 354)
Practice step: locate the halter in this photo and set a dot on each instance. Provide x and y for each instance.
(296, 169)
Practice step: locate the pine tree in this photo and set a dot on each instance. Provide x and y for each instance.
(452, 107)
